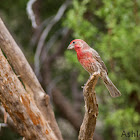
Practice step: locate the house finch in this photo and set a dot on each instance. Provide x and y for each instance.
(92, 63)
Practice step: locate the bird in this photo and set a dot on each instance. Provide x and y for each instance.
(93, 64)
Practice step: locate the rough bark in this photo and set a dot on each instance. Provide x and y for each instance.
(24, 99)
(91, 109)
(21, 106)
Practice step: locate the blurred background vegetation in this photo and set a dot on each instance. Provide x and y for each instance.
(110, 27)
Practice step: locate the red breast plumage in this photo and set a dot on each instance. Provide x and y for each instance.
(92, 62)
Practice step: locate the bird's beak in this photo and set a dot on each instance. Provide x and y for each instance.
(70, 47)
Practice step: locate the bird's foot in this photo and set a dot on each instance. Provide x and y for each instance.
(96, 73)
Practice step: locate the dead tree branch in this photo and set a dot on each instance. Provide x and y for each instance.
(45, 33)
(21, 106)
(30, 13)
(30, 98)
(38, 31)
(91, 110)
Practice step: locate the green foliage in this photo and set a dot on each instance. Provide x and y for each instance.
(75, 20)
(117, 41)
(121, 42)
(117, 121)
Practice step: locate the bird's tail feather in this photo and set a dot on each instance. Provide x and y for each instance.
(114, 92)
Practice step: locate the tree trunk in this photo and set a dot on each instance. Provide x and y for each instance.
(21, 94)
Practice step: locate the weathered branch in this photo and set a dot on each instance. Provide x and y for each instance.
(38, 31)
(30, 13)
(46, 31)
(91, 110)
(61, 48)
(21, 106)
(32, 91)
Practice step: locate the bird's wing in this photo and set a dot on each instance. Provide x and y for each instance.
(98, 58)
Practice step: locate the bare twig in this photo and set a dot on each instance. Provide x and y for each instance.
(44, 35)
(53, 39)
(39, 30)
(9, 120)
(30, 12)
(91, 110)
(49, 44)
(64, 32)
(60, 50)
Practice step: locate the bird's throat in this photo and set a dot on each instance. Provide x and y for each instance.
(80, 54)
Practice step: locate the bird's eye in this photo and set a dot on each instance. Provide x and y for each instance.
(73, 42)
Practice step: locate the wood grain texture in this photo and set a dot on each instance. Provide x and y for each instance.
(24, 99)
(91, 109)
(21, 106)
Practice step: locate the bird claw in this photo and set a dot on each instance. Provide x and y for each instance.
(96, 73)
